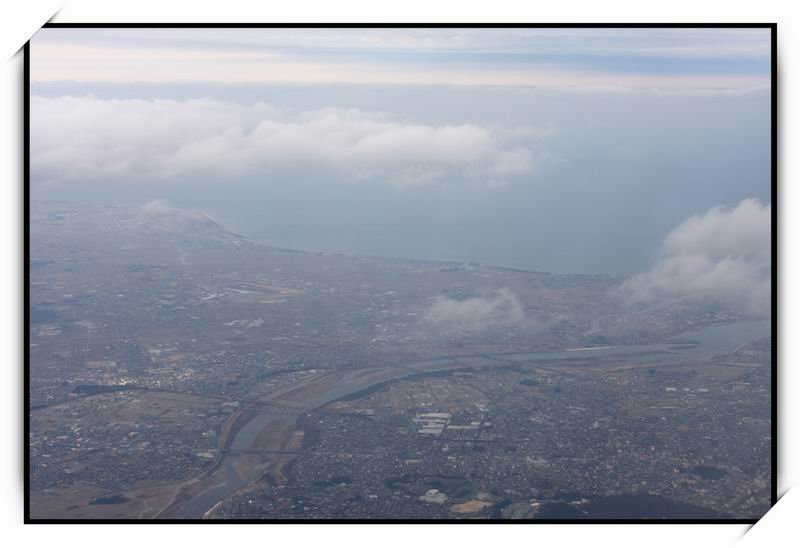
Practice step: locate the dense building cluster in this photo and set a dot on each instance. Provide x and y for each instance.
(169, 355)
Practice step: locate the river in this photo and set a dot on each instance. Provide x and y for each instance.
(699, 344)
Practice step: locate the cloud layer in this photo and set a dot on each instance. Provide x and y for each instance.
(86, 138)
(724, 254)
(499, 308)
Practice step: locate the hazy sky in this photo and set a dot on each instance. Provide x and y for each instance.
(626, 58)
(569, 150)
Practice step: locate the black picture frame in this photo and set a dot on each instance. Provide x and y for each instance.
(774, 252)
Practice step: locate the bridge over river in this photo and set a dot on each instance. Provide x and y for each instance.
(259, 441)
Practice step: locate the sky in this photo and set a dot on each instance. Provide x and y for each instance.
(620, 58)
(562, 150)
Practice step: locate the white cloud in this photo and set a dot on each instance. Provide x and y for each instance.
(157, 208)
(724, 254)
(499, 308)
(86, 138)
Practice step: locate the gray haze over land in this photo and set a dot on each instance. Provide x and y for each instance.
(457, 273)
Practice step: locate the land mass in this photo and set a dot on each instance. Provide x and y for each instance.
(179, 370)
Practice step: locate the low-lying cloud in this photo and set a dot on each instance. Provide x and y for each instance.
(495, 309)
(157, 208)
(87, 138)
(724, 255)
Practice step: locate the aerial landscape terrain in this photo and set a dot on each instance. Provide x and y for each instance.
(179, 370)
(454, 274)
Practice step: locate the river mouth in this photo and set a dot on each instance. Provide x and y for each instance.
(698, 344)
